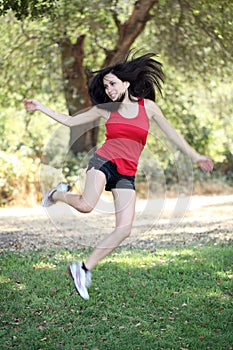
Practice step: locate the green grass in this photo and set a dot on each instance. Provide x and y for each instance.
(172, 299)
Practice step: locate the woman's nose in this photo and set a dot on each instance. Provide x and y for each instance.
(109, 89)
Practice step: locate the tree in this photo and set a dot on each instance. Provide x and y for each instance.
(73, 53)
(194, 37)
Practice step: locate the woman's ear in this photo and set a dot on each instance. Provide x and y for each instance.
(127, 84)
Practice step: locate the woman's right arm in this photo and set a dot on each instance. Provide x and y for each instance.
(84, 117)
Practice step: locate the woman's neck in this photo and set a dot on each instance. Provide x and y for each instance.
(127, 100)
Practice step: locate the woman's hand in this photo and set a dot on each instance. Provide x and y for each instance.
(204, 163)
(31, 105)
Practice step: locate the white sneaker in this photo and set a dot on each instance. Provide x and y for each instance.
(79, 277)
(48, 200)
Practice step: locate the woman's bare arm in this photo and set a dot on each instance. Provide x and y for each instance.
(204, 162)
(87, 116)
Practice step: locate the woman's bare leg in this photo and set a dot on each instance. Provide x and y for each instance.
(94, 185)
(124, 200)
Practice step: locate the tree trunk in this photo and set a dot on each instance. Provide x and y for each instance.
(84, 137)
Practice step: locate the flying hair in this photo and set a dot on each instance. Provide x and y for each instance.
(144, 74)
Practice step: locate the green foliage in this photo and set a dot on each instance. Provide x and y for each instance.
(194, 35)
(203, 113)
(27, 8)
(30, 65)
(178, 107)
(171, 299)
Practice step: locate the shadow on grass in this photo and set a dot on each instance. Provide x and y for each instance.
(174, 299)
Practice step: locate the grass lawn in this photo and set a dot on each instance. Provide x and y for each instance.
(169, 299)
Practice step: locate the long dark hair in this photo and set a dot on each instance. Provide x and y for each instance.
(144, 74)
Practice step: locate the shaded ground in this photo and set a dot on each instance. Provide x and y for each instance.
(158, 223)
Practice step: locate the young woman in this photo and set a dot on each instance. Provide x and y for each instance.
(123, 95)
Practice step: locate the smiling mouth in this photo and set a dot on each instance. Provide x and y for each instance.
(117, 97)
(113, 96)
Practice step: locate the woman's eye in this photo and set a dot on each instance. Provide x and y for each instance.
(111, 83)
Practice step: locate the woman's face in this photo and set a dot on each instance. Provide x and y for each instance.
(114, 87)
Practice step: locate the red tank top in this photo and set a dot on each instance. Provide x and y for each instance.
(125, 140)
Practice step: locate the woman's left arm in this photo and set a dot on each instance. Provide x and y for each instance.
(205, 163)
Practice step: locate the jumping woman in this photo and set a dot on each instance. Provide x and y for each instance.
(123, 95)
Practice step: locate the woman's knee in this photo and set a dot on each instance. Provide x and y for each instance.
(83, 206)
(124, 229)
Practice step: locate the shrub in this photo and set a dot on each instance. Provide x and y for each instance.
(18, 179)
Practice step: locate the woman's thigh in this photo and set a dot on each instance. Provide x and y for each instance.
(94, 185)
(124, 201)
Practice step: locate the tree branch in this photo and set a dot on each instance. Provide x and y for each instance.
(16, 45)
(115, 16)
(130, 30)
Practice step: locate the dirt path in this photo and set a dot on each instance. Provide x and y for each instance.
(158, 223)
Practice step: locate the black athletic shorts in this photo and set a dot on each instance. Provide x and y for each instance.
(113, 178)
